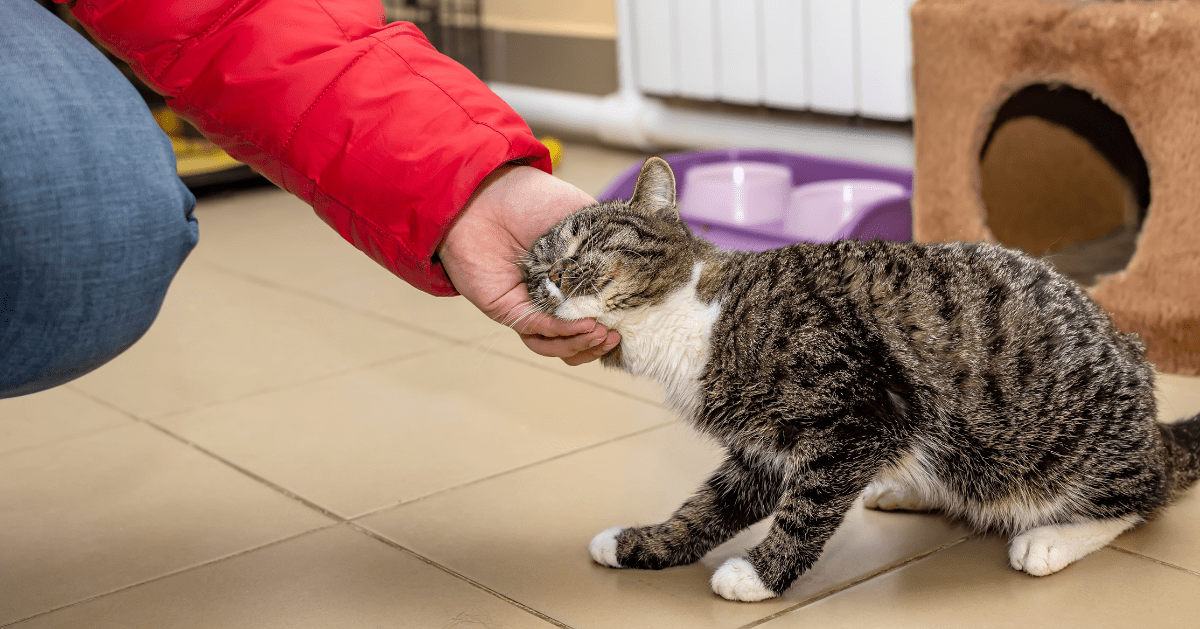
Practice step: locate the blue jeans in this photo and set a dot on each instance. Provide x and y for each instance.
(94, 221)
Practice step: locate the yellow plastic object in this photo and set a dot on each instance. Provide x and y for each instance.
(198, 157)
(168, 121)
(556, 150)
(193, 156)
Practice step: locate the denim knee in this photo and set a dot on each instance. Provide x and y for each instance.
(94, 222)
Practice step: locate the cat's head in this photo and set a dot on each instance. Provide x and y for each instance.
(615, 256)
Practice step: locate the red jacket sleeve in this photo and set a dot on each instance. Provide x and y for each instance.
(383, 136)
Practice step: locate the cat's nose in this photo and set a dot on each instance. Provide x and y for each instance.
(556, 276)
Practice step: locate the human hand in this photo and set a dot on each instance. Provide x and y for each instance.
(510, 209)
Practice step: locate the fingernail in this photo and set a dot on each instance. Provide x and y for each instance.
(596, 342)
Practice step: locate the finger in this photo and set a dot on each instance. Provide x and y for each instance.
(582, 359)
(543, 324)
(562, 347)
(610, 341)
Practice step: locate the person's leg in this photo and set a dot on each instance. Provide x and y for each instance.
(94, 221)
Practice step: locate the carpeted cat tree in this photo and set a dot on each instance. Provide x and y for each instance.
(1004, 82)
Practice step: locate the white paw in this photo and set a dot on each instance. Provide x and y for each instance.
(1039, 553)
(736, 580)
(1047, 549)
(889, 496)
(604, 548)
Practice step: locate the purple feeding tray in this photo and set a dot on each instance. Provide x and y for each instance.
(887, 219)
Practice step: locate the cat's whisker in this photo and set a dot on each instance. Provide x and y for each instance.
(508, 315)
(494, 337)
(529, 312)
(509, 320)
(522, 252)
(486, 352)
(512, 320)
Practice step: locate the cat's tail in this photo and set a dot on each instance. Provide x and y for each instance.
(1182, 441)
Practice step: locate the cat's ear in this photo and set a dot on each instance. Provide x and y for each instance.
(654, 192)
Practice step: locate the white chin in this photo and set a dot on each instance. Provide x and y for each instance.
(579, 308)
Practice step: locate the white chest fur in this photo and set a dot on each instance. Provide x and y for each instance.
(668, 341)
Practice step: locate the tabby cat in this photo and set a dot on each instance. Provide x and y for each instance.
(965, 378)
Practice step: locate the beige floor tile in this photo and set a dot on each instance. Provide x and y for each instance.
(971, 585)
(52, 415)
(273, 235)
(306, 255)
(382, 294)
(372, 438)
(1178, 397)
(85, 516)
(1173, 537)
(510, 345)
(525, 535)
(220, 337)
(332, 578)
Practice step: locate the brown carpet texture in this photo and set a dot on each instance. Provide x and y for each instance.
(973, 59)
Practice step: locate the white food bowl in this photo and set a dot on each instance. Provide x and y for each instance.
(736, 193)
(820, 211)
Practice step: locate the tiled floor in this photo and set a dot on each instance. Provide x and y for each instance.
(304, 441)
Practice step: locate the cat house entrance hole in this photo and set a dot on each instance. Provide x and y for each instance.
(1061, 175)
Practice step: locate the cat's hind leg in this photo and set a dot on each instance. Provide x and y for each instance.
(904, 486)
(741, 492)
(890, 494)
(1047, 549)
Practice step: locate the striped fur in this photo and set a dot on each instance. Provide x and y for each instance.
(962, 377)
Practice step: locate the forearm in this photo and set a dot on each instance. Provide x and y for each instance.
(385, 137)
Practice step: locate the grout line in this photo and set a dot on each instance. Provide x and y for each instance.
(106, 404)
(376, 536)
(1149, 558)
(513, 470)
(65, 438)
(337, 517)
(328, 301)
(328, 513)
(284, 387)
(846, 586)
(580, 379)
(256, 393)
(176, 572)
(234, 466)
(251, 475)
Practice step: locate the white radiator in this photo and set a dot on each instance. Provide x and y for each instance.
(849, 57)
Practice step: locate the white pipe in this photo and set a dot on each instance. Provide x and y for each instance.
(646, 123)
(630, 118)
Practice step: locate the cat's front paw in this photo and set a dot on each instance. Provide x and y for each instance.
(1047, 549)
(736, 580)
(604, 548)
(1039, 554)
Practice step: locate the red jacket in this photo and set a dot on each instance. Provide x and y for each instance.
(385, 137)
